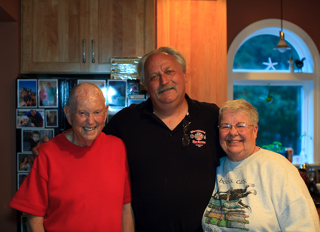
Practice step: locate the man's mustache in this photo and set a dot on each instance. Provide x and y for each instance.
(161, 90)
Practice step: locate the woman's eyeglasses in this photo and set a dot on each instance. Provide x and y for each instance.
(240, 127)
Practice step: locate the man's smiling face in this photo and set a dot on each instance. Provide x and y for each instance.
(164, 79)
(87, 117)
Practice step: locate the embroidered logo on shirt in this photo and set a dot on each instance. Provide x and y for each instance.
(198, 137)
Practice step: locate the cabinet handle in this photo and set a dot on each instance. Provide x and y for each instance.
(84, 50)
(93, 51)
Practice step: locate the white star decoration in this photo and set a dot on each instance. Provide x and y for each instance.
(270, 64)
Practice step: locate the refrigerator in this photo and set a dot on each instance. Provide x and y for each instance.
(40, 102)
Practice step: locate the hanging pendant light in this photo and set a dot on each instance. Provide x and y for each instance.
(282, 45)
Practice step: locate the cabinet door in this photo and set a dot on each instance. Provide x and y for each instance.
(81, 36)
(198, 29)
(54, 36)
(120, 28)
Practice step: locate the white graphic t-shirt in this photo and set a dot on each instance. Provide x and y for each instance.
(264, 192)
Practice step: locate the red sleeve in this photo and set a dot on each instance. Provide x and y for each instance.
(32, 196)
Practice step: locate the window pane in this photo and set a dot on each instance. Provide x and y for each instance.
(279, 110)
(258, 49)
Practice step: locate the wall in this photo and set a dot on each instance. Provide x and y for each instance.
(9, 66)
(10, 10)
(9, 72)
(305, 14)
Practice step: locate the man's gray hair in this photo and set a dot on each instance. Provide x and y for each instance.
(176, 54)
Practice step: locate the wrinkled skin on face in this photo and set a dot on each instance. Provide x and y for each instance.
(86, 114)
(165, 80)
(237, 146)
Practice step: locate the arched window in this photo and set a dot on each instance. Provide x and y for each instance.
(284, 92)
(258, 54)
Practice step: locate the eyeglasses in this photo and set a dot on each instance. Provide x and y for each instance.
(185, 136)
(240, 127)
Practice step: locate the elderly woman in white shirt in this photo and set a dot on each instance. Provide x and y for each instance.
(256, 189)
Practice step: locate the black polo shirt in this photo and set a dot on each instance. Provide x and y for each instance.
(171, 185)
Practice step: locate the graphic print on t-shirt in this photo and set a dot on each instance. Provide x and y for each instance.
(226, 208)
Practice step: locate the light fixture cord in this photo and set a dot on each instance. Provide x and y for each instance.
(281, 16)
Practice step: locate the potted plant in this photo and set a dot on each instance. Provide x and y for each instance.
(275, 147)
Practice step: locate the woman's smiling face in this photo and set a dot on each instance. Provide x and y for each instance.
(236, 145)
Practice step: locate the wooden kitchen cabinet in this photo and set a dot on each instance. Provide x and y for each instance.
(198, 29)
(80, 36)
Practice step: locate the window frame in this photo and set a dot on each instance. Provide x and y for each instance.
(309, 80)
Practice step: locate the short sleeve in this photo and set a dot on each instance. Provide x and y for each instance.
(32, 196)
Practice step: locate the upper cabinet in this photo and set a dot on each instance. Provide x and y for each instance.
(198, 29)
(81, 36)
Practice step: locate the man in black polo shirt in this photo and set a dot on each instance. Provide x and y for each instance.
(172, 146)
